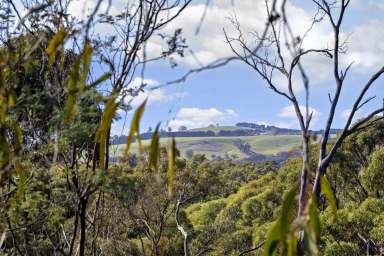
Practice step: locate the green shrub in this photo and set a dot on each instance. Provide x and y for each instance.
(341, 249)
(373, 176)
(205, 213)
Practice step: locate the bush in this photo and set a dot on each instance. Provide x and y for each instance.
(341, 249)
(205, 213)
(372, 176)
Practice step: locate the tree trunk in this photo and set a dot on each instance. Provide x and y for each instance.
(73, 160)
(83, 225)
(106, 165)
(321, 169)
(303, 197)
(316, 185)
(74, 232)
(95, 157)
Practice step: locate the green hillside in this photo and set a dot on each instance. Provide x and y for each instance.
(220, 146)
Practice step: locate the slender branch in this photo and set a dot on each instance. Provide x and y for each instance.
(252, 249)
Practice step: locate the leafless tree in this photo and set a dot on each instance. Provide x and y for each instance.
(340, 73)
(281, 54)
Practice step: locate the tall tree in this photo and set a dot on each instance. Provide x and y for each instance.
(281, 54)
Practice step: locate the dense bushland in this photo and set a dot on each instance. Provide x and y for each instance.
(227, 208)
(60, 195)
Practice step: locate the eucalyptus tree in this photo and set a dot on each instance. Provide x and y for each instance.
(49, 99)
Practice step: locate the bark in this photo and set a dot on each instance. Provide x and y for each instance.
(95, 219)
(95, 157)
(106, 165)
(303, 197)
(73, 160)
(316, 184)
(181, 228)
(83, 225)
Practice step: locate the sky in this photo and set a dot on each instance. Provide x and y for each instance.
(235, 93)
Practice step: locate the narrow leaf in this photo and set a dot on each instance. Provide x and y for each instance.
(292, 246)
(17, 134)
(101, 79)
(5, 150)
(279, 231)
(56, 41)
(171, 166)
(288, 209)
(314, 219)
(86, 62)
(105, 124)
(273, 238)
(310, 242)
(327, 191)
(72, 90)
(135, 128)
(155, 148)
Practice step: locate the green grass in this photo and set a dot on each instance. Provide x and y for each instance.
(219, 146)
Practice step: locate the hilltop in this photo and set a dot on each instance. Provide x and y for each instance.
(237, 130)
(240, 142)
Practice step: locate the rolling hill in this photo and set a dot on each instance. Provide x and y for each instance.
(241, 142)
(213, 147)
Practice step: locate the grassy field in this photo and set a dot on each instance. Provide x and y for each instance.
(219, 146)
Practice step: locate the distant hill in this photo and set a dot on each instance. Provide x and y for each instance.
(241, 142)
(238, 130)
(245, 148)
(217, 129)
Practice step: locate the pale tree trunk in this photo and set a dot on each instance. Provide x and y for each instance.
(304, 179)
(317, 185)
(303, 197)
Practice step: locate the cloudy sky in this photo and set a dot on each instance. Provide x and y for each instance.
(235, 93)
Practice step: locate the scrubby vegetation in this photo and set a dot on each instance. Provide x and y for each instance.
(226, 208)
(62, 195)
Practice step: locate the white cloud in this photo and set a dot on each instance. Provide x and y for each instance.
(231, 112)
(82, 8)
(280, 124)
(345, 114)
(154, 96)
(198, 117)
(366, 47)
(288, 112)
(138, 81)
(358, 114)
(368, 5)
(210, 45)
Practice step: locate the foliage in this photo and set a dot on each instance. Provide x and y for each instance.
(232, 208)
(60, 195)
(372, 175)
(341, 248)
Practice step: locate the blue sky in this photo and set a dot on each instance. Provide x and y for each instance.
(235, 93)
